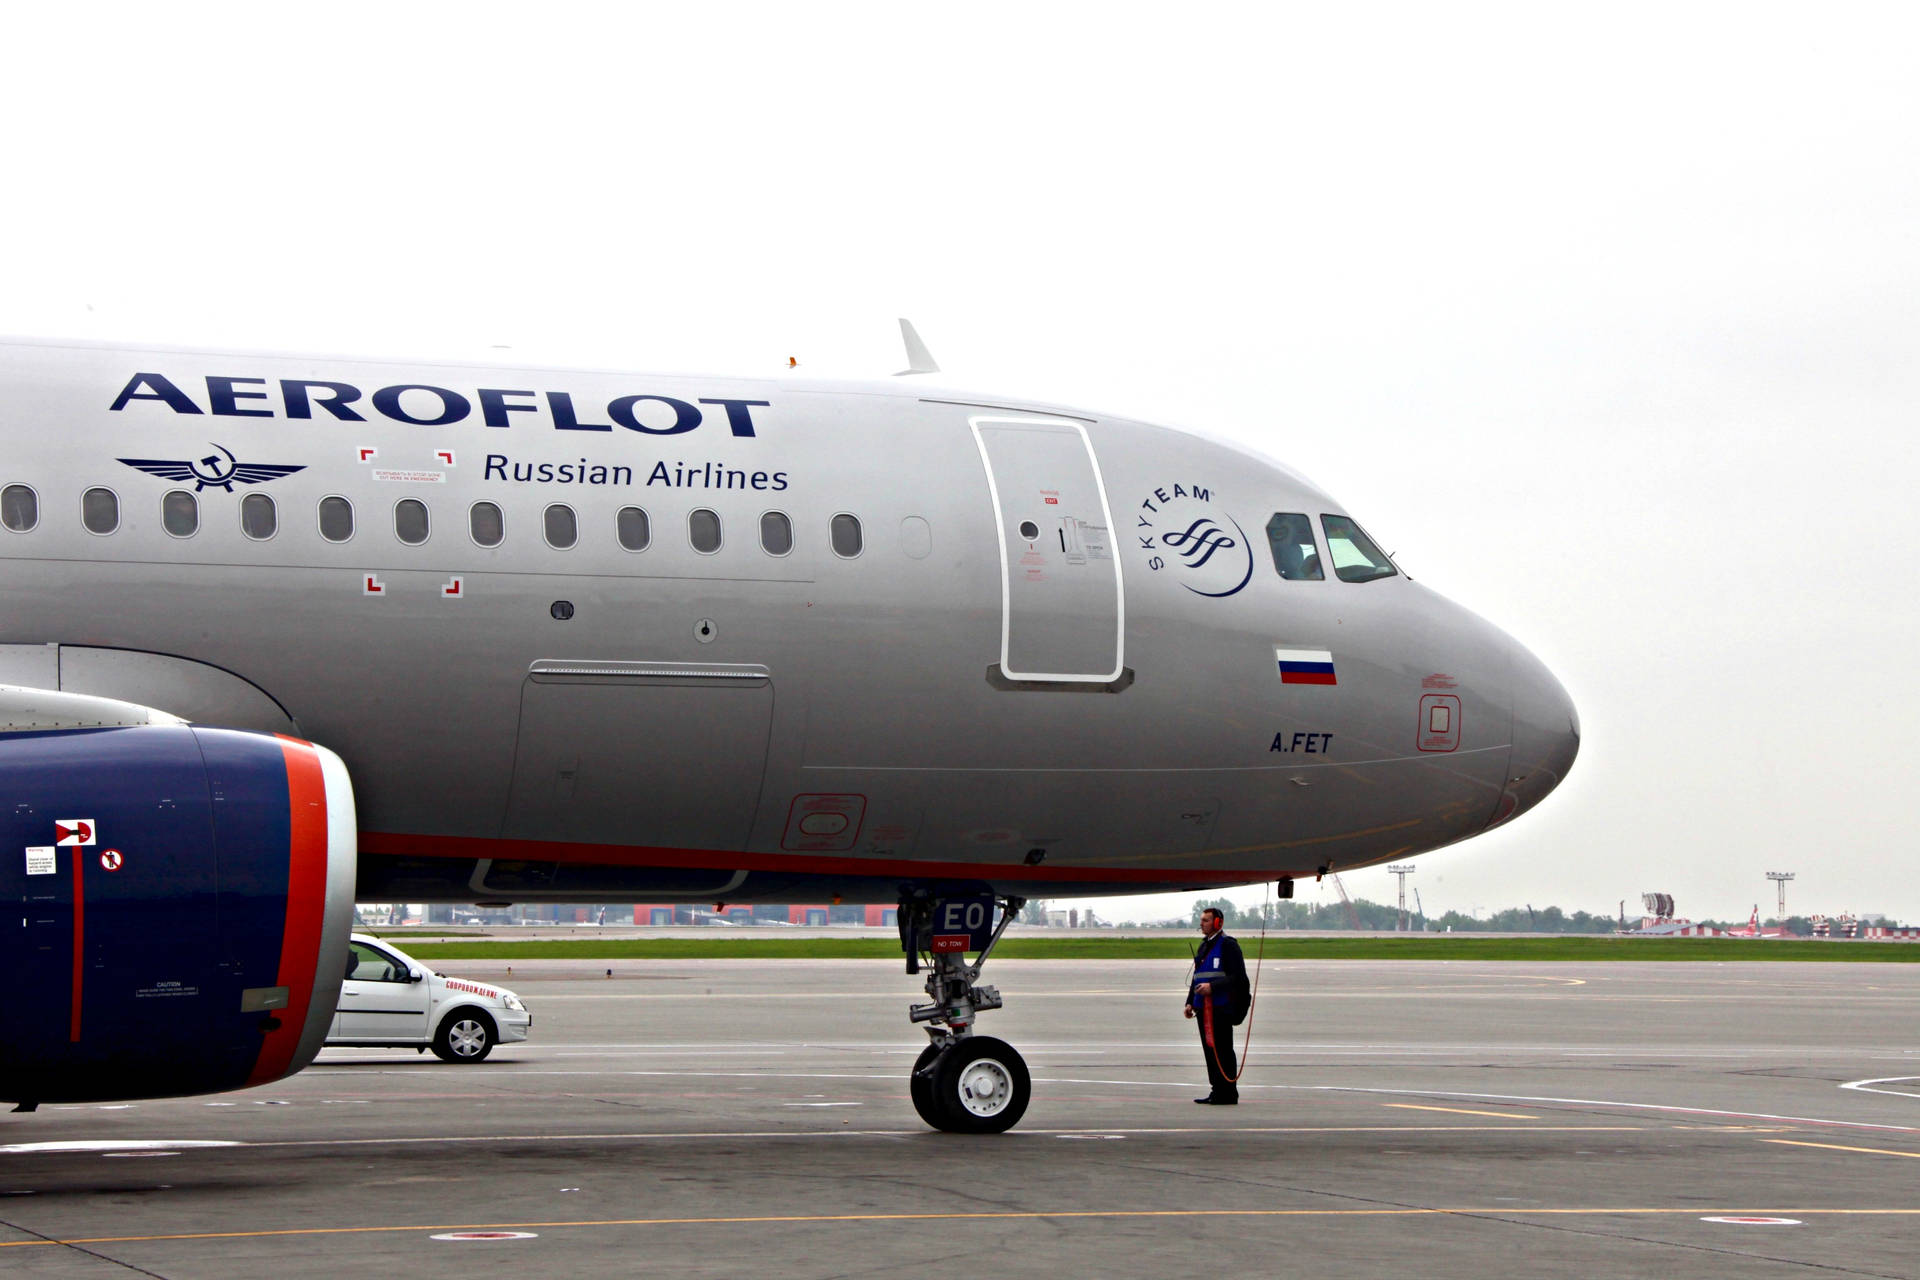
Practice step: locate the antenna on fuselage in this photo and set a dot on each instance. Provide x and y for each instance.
(919, 359)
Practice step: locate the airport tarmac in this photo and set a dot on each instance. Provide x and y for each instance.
(727, 1118)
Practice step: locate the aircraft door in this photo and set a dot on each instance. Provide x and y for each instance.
(1062, 607)
(666, 754)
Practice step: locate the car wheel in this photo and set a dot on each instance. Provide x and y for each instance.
(466, 1035)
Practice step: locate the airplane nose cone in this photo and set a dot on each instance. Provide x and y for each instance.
(1546, 736)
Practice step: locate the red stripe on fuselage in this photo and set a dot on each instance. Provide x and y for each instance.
(1307, 677)
(79, 938)
(400, 844)
(306, 906)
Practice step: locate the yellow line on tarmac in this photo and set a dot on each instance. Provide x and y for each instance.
(1501, 1211)
(1498, 1115)
(1872, 1151)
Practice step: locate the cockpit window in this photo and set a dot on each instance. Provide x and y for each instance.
(1290, 534)
(1355, 558)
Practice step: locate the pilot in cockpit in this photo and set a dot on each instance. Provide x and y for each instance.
(1295, 557)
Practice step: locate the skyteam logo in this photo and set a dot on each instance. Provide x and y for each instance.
(219, 469)
(1179, 527)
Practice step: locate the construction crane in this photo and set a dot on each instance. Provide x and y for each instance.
(1421, 908)
(1353, 917)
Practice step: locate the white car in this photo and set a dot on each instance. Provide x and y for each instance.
(391, 999)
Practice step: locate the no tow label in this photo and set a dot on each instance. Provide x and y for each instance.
(959, 924)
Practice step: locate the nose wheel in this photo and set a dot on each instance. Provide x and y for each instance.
(962, 1082)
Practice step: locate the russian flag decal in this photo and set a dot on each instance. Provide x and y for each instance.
(1305, 666)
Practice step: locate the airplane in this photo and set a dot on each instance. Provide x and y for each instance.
(285, 632)
(1754, 929)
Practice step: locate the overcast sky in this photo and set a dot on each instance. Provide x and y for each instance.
(1603, 319)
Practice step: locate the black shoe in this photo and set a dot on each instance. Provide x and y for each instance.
(1206, 1101)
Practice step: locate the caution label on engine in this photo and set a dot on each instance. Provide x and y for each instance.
(42, 861)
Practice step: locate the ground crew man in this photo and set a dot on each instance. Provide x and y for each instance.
(1218, 999)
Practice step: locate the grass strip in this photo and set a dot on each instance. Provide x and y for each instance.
(1280, 947)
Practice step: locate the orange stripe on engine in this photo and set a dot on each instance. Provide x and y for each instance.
(306, 906)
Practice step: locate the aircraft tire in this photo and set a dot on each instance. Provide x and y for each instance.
(465, 1035)
(981, 1085)
(921, 1088)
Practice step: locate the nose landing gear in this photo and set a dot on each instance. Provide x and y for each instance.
(961, 1083)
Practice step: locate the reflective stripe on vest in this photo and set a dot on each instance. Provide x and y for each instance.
(1215, 974)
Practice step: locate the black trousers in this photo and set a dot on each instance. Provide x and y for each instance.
(1217, 1072)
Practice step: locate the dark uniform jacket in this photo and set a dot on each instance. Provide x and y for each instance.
(1219, 962)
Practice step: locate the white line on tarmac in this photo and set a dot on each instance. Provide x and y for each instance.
(519, 1052)
(1293, 1088)
(1297, 1049)
(1601, 1102)
(911, 1132)
(1866, 1086)
(112, 1145)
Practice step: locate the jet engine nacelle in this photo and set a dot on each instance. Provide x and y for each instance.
(185, 899)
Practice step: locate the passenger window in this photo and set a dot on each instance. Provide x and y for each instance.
(336, 519)
(1355, 557)
(1290, 535)
(100, 510)
(259, 518)
(19, 508)
(776, 533)
(563, 527)
(636, 531)
(703, 529)
(485, 525)
(410, 523)
(846, 536)
(180, 514)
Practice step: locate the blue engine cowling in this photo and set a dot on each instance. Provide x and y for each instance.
(185, 899)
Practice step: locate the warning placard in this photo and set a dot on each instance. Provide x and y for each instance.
(73, 831)
(41, 861)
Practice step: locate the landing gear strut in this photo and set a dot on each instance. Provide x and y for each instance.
(961, 1082)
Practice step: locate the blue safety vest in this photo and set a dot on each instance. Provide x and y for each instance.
(1207, 968)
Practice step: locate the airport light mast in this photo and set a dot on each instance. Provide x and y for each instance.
(1404, 870)
(1780, 879)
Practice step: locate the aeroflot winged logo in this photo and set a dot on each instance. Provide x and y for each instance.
(1178, 525)
(219, 469)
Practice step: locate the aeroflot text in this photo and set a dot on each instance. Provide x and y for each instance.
(423, 405)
